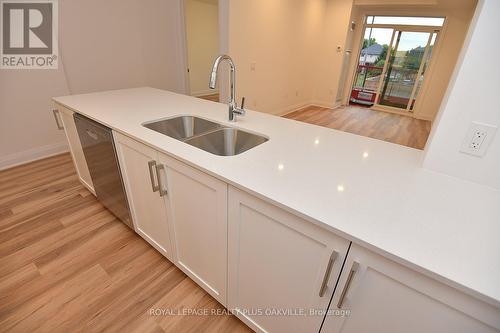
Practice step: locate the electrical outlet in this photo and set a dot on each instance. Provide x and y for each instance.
(253, 66)
(478, 138)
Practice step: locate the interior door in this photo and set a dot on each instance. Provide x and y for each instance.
(371, 65)
(403, 71)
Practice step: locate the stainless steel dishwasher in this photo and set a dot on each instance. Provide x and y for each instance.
(100, 154)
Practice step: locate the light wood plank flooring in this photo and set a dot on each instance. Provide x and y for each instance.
(385, 126)
(213, 97)
(67, 264)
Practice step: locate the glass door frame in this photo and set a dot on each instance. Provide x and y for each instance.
(402, 28)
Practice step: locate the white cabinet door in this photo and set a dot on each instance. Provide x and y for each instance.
(198, 211)
(380, 295)
(75, 147)
(282, 270)
(139, 167)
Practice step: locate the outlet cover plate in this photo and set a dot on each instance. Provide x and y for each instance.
(478, 138)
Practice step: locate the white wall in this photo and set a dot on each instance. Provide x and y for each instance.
(328, 61)
(458, 14)
(472, 96)
(120, 43)
(336, 20)
(202, 29)
(280, 37)
(444, 59)
(27, 127)
(294, 46)
(103, 45)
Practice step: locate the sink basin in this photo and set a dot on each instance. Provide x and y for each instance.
(207, 135)
(227, 141)
(182, 127)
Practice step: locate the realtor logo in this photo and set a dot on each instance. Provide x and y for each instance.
(28, 34)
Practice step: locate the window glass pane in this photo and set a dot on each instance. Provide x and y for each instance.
(424, 69)
(408, 20)
(372, 60)
(403, 69)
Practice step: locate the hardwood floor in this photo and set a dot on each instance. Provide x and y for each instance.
(68, 265)
(385, 126)
(213, 97)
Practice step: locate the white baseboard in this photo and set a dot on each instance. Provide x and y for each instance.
(328, 105)
(291, 108)
(33, 154)
(297, 107)
(401, 113)
(423, 117)
(204, 92)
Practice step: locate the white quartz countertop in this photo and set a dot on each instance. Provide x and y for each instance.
(372, 192)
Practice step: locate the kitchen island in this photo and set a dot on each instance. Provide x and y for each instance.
(356, 189)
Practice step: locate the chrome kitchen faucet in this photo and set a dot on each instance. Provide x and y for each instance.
(233, 106)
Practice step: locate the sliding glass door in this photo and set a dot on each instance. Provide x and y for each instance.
(404, 71)
(394, 60)
(423, 70)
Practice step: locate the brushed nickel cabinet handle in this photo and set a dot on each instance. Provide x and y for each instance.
(160, 167)
(152, 164)
(352, 272)
(326, 277)
(58, 123)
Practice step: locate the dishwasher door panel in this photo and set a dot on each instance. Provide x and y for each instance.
(98, 148)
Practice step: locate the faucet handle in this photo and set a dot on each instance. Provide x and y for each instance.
(242, 102)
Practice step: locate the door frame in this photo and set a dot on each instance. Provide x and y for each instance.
(223, 11)
(403, 28)
(363, 14)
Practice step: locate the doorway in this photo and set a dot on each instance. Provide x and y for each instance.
(395, 55)
(202, 45)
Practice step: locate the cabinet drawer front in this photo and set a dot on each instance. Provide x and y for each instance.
(198, 211)
(277, 265)
(384, 296)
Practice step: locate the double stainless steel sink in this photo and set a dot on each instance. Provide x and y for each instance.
(207, 135)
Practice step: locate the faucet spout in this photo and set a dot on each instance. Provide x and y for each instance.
(213, 79)
(215, 68)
